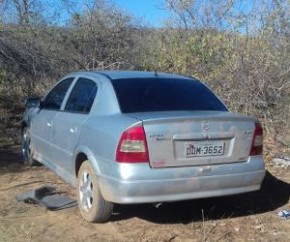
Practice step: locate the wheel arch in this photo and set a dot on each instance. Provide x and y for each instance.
(80, 158)
(82, 154)
(23, 125)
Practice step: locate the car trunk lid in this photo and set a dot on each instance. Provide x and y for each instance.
(196, 138)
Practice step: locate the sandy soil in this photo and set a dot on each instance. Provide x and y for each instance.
(247, 217)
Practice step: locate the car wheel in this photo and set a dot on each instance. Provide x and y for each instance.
(92, 205)
(27, 148)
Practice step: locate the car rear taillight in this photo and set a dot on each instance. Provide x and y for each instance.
(257, 143)
(132, 146)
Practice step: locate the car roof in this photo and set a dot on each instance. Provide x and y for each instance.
(120, 74)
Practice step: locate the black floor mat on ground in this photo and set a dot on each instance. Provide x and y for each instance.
(45, 197)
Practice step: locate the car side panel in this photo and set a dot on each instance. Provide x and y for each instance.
(101, 133)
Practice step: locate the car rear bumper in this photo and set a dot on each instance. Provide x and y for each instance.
(176, 184)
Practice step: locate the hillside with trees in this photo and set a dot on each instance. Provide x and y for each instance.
(240, 51)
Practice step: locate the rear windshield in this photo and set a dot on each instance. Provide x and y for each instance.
(160, 94)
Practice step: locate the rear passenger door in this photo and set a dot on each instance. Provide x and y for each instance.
(68, 123)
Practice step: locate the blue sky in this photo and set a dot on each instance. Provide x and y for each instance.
(151, 11)
(147, 12)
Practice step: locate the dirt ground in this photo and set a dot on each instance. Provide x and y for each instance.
(247, 217)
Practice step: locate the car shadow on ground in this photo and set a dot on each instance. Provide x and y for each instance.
(273, 195)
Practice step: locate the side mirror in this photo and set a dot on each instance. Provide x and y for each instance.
(32, 102)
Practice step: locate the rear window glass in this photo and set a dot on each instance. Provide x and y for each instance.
(160, 94)
(82, 96)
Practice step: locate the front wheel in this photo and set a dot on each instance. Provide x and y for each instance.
(92, 205)
(27, 148)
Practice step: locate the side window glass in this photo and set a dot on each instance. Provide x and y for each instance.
(82, 96)
(55, 97)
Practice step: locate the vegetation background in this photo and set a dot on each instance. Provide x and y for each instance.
(243, 54)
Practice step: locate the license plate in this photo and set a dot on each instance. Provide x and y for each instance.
(204, 149)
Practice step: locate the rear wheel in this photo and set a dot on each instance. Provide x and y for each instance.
(27, 148)
(92, 205)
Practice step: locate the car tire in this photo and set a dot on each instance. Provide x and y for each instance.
(27, 148)
(92, 205)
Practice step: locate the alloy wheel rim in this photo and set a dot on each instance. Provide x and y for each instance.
(26, 146)
(86, 191)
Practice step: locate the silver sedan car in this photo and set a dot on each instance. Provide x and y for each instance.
(141, 137)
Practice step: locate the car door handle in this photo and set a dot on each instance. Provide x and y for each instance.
(73, 130)
(49, 124)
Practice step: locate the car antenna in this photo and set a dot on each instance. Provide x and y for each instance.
(155, 73)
